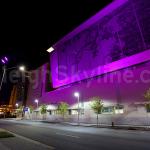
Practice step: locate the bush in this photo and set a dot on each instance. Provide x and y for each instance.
(147, 107)
(147, 97)
(43, 109)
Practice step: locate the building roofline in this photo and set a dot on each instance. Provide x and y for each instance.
(102, 13)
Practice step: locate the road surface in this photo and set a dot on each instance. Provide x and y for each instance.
(65, 137)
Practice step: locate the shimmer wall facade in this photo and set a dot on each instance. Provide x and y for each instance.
(107, 56)
(120, 30)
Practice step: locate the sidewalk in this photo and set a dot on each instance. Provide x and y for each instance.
(21, 143)
(127, 127)
(123, 127)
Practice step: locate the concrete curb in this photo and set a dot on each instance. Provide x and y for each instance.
(117, 127)
(121, 127)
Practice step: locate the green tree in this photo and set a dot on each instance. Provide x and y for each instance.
(147, 97)
(97, 106)
(63, 108)
(43, 110)
(31, 109)
(20, 111)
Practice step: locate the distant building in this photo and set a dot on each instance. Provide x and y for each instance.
(107, 56)
(13, 97)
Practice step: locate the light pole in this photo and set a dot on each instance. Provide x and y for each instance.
(4, 61)
(17, 105)
(76, 94)
(22, 69)
(16, 109)
(37, 103)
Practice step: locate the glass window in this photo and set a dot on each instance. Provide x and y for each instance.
(109, 109)
(119, 109)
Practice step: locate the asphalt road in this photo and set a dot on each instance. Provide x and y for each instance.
(63, 137)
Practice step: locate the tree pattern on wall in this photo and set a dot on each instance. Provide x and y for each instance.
(120, 34)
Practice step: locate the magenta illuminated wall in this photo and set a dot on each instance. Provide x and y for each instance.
(124, 86)
(89, 60)
(116, 38)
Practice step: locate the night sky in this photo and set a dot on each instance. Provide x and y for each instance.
(27, 30)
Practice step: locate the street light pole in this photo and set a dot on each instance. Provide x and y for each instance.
(37, 103)
(4, 61)
(17, 105)
(4, 71)
(78, 111)
(76, 94)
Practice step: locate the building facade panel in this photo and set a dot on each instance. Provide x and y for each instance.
(119, 34)
(124, 87)
(108, 57)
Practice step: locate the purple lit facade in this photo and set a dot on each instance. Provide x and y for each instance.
(107, 56)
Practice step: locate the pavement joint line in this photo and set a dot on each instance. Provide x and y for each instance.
(32, 141)
(73, 136)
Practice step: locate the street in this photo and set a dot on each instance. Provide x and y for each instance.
(63, 137)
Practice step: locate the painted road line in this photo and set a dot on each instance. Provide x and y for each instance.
(73, 136)
(32, 141)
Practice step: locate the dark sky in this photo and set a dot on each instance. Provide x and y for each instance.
(28, 29)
